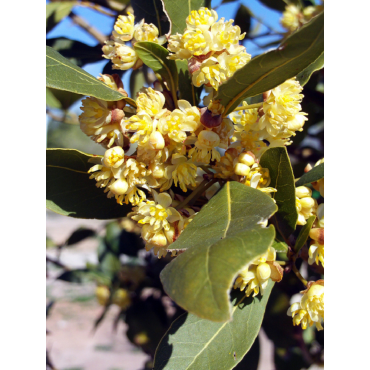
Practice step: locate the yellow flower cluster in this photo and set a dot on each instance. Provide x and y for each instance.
(173, 144)
(294, 17)
(211, 48)
(254, 278)
(123, 56)
(306, 205)
(310, 310)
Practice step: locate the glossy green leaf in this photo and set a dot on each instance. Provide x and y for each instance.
(62, 74)
(224, 237)
(243, 19)
(57, 11)
(186, 88)
(77, 52)
(192, 343)
(315, 174)
(177, 11)
(70, 192)
(282, 179)
(155, 57)
(305, 75)
(272, 68)
(303, 234)
(152, 12)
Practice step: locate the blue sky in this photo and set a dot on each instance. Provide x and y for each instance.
(104, 23)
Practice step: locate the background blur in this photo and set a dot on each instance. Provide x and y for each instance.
(89, 325)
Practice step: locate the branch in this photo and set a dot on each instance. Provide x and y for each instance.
(91, 30)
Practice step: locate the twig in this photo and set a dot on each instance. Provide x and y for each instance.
(98, 8)
(91, 30)
(299, 276)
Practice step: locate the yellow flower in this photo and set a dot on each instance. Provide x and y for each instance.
(210, 72)
(205, 148)
(226, 36)
(182, 171)
(122, 56)
(306, 205)
(124, 27)
(310, 309)
(291, 17)
(255, 277)
(202, 19)
(156, 217)
(151, 102)
(243, 118)
(316, 251)
(146, 32)
(102, 294)
(96, 121)
(282, 110)
(180, 121)
(142, 125)
(121, 298)
(225, 167)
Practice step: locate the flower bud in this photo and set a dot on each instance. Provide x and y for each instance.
(114, 157)
(263, 271)
(119, 187)
(246, 159)
(208, 119)
(102, 295)
(159, 240)
(157, 170)
(156, 140)
(317, 234)
(117, 115)
(307, 202)
(303, 191)
(242, 169)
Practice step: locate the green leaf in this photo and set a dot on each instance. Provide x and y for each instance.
(282, 179)
(152, 12)
(186, 88)
(192, 343)
(313, 175)
(155, 57)
(77, 52)
(224, 237)
(304, 76)
(243, 19)
(303, 234)
(60, 99)
(62, 74)
(57, 11)
(70, 192)
(178, 11)
(272, 68)
(280, 247)
(275, 4)
(137, 81)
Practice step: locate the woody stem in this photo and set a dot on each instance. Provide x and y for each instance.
(257, 105)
